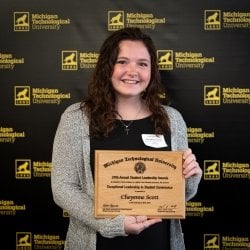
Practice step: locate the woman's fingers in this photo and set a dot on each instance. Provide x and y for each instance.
(136, 224)
(190, 165)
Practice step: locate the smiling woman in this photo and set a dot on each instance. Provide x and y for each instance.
(122, 112)
(125, 84)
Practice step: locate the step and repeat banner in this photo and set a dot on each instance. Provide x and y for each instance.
(48, 50)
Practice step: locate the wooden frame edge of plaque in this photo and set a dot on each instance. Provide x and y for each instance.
(118, 182)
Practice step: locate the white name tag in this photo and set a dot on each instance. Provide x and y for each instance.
(154, 141)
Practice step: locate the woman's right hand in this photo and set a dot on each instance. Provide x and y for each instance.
(136, 224)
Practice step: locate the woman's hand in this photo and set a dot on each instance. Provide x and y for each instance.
(136, 224)
(190, 165)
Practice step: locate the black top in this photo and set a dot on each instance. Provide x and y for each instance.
(155, 237)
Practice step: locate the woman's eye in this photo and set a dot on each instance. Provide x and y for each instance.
(142, 64)
(121, 62)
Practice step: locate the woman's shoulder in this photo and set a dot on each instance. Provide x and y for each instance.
(73, 110)
(73, 113)
(173, 113)
(75, 107)
(73, 118)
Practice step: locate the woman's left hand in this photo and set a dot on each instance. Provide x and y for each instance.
(136, 224)
(190, 165)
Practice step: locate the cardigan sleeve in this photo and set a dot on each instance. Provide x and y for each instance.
(67, 173)
(179, 141)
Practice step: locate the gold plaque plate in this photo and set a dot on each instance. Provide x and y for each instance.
(147, 183)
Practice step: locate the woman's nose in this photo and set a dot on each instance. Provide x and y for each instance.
(131, 70)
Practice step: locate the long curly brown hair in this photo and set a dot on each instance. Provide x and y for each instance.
(100, 103)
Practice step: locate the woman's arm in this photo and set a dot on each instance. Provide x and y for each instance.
(67, 171)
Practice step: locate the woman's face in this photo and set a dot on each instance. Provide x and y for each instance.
(132, 70)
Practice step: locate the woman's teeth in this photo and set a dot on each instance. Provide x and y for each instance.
(130, 81)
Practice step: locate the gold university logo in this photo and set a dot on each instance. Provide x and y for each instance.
(22, 95)
(211, 170)
(69, 60)
(23, 241)
(211, 241)
(21, 21)
(165, 59)
(115, 20)
(23, 168)
(212, 95)
(212, 19)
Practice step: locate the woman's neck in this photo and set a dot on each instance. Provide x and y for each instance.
(132, 109)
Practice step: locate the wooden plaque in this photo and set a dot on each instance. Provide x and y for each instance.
(147, 183)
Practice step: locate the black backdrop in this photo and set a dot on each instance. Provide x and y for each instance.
(206, 76)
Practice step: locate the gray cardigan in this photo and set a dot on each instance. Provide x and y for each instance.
(73, 187)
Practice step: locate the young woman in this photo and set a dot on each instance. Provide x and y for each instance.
(122, 109)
